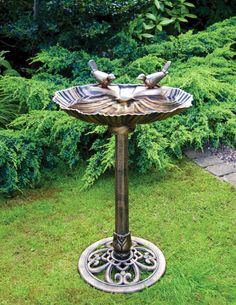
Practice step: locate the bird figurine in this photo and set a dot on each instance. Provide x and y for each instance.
(104, 79)
(152, 80)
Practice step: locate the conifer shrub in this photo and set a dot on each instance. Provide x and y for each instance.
(201, 44)
(203, 65)
(20, 161)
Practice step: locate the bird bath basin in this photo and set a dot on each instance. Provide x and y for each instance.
(122, 263)
(122, 105)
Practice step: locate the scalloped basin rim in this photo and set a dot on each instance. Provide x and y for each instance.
(168, 97)
(123, 114)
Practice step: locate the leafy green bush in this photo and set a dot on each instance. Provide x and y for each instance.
(161, 14)
(8, 109)
(212, 11)
(206, 71)
(34, 25)
(29, 26)
(209, 79)
(19, 95)
(125, 47)
(189, 44)
(73, 65)
(5, 66)
(30, 93)
(40, 139)
(58, 134)
(8, 112)
(20, 161)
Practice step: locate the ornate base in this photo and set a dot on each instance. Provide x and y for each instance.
(100, 268)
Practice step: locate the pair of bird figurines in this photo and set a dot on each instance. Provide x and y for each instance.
(150, 81)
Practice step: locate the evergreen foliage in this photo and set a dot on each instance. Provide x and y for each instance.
(5, 66)
(29, 26)
(8, 109)
(162, 14)
(29, 93)
(20, 161)
(189, 44)
(202, 65)
(37, 24)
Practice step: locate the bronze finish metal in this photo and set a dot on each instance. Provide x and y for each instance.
(103, 79)
(122, 105)
(99, 267)
(152, 80)
(122, 264)
(121, 237)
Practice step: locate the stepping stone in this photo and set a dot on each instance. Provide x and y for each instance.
(193, 154)
(231, 178)
(206, 160)
(221, 169)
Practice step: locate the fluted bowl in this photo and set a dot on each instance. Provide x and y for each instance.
(122, 104)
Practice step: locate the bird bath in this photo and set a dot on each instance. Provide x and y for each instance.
(122, 263)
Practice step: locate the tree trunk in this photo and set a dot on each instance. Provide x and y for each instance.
(37, 11)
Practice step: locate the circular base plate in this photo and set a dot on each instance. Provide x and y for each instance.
(100, 268)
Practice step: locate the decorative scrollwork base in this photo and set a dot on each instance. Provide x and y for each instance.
(102, 269)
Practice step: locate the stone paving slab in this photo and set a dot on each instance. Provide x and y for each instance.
(206, 160)
(221, 169)
(231, 178)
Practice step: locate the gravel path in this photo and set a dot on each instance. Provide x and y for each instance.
(224, 153)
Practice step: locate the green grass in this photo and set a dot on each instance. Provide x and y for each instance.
(187, 212)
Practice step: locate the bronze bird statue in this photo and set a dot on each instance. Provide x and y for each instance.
(153, 79)
(104, 79)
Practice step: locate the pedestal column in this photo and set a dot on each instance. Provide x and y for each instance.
(121, 236)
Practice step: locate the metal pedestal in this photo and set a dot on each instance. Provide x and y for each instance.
(121, 264)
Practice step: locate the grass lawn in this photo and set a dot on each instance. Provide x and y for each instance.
(186, 212)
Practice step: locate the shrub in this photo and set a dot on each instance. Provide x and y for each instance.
(8, 109)
(201, 44)
(40, 139)
(71, 23)
(58, 134)
(5, 66)
(20, 161)
(19, 95)
(161, 14)
(29, 93)
(54, 137)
